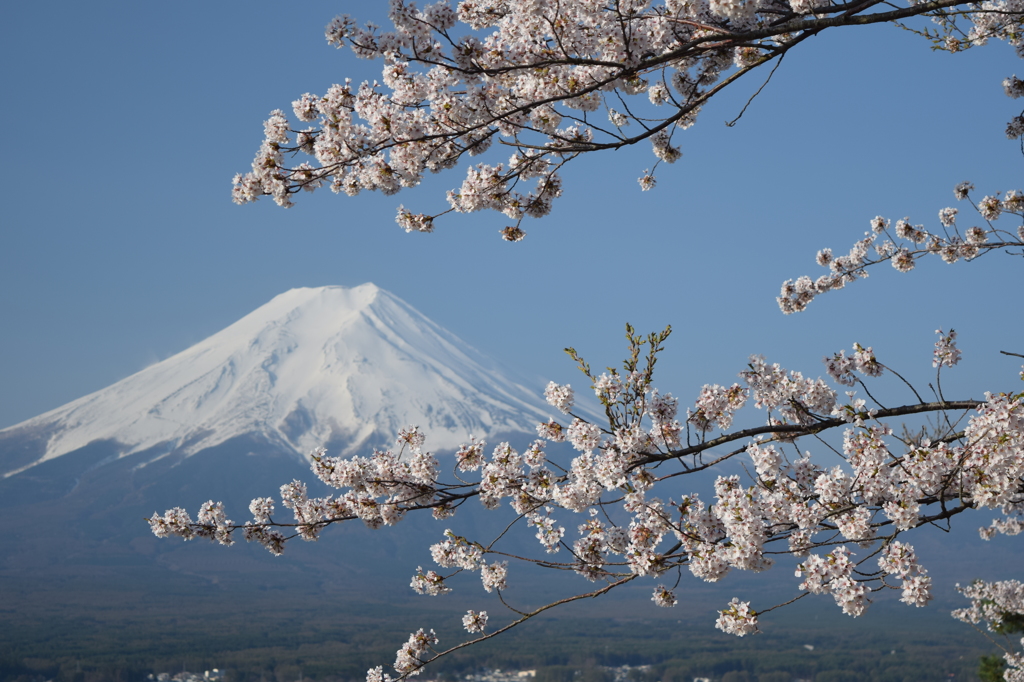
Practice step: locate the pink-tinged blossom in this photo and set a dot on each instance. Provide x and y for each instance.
(470, 457)
(293, 494)
(414, 222)
(494, 576)
(788, 393)
(833, 574)
(946, 353)
(551, 430)
(767, 460)
(276, 127)
(947, 216)
(549, 533)
(261, 508)
(429, 583)
(962, 190)
(378, 675)
(737, 619)
(899, 559)
(878, 224)
(411, 437)
(607, 387)
(903, 261)
(663, 148)
(475, 622)
(534, 455)
(841, 368)
(976, 235)
(272, 540)
(994, 603)
(991, 602)
(583, 435)
(990, 207)
(865, 361)
(663, 596)
(306, 107)
(512, 233)
(175, 521)
(1013, 202)
(903, 512)
(560, 397)
(662, 407)
(855, 526)
(716, 406)
(915, 234)
(413, 654)
(456, 551)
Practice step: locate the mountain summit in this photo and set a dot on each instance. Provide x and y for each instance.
(334, 366)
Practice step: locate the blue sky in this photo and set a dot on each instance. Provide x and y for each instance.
(120, 245)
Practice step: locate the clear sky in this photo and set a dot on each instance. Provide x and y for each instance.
(120, 246)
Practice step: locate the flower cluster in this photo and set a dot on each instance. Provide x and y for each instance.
(833, 573)
(559, 397)
(475, 622)
(429, 583)
(413, 654)
(664, 596)
(899, 560)
(738, 619)
(997, 604)
(841, 368)
(716, 406)
(946, 353)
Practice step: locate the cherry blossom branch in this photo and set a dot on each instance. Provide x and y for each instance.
(789, 502)
(442, 98)
(907, 244)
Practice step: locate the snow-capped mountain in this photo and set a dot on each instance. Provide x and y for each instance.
(335, 366)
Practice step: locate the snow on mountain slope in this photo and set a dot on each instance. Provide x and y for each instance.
(346, 366)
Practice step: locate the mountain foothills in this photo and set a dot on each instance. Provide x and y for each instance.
(233, 417)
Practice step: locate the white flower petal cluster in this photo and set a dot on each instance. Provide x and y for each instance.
(457, 551)
(899, 560)
(795, 399)
(994, 603)
(716, 406)
(833, 573)
(494, 576)
(559, 397)
(475, 622)
(414, 653)
(946, 353)
(737, 619)
(664, 597)
(429, 583)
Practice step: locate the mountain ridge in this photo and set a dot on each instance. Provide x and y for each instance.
(335, 366)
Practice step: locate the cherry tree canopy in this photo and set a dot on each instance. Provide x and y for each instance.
(551, 81)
